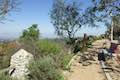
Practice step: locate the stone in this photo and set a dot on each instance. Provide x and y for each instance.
(86, 63)
(19, 63)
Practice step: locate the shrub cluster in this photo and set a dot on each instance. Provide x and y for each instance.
(65, 60)
(44, 69)
(47, 47)
(4, 77)
(6, 51)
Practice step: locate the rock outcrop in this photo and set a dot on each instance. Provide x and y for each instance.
(18, 64)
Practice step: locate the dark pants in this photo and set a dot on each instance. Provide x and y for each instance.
(101, 57)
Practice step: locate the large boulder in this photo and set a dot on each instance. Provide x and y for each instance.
(18, 64)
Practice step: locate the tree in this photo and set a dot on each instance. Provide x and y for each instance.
(31, 33)
(116, 30)
(103, 11)
(29, 38)
(105, 8)
(7, 6)
(66, 19)
(101, 5)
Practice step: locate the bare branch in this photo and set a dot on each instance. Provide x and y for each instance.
(6, 6)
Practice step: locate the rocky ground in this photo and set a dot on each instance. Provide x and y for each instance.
(89, 70)
(87, 67)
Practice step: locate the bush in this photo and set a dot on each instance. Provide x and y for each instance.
(65, 60)
(44, 69)
(7, 50)
(61, 60)
(4, 77)
(4, 61)
(48, 47)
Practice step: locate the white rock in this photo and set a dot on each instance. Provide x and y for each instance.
(18, 64)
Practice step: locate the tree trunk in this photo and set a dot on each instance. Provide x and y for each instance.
(111, 35)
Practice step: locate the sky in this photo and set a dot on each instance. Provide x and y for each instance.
(38, 12)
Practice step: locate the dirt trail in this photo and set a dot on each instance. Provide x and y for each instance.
(91, 72)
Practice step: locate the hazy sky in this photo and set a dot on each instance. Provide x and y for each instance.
(37, 12)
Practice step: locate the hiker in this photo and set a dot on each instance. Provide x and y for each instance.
(109, 51)
(101, 55)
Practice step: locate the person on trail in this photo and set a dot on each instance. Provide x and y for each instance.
(101, 55)
(109, 51)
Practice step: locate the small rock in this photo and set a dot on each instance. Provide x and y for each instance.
(86, 63)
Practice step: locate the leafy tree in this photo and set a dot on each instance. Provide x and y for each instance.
(103, 11)
(105, 8)
(107, 5)
(66, 19)
(29, 38)
(31, 33)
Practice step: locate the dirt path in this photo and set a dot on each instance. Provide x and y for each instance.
(91, 72)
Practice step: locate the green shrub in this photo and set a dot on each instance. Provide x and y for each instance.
(44, 69)
(61, 60)
(4, 77)
(65, 60)
(48, 47)
(5, 59)
(4, 62)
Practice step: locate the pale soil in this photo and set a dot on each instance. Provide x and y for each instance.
(79, 72)
(99, 43)
(90, 72)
